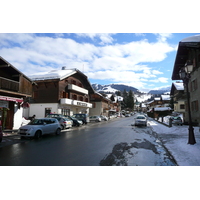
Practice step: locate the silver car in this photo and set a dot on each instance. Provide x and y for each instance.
(95, 118)
(140, 120)
(39, 127)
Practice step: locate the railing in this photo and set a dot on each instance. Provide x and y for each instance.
(8, 84)
(77, 88)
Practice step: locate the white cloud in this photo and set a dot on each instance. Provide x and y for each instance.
(104, 37)
(160, 80)
(156, 72)
(117, 62)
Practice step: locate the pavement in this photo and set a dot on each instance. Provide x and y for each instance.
(175, 139)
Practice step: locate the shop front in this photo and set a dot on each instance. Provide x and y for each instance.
(9, 107)
(74, 106)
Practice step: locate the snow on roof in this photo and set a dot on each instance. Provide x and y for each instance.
(195, 38)
(157, 99)
(150, 102)
(120, 98)
(179, 86)
(109, 95)
(162, 109)
(165, 97)
(54, 74)
(142, 97)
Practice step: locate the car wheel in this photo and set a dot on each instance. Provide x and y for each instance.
(58, 131)
(37, 134)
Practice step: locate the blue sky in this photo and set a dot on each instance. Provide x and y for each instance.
(141, 60)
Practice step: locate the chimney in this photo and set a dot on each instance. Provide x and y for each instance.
(64, 68)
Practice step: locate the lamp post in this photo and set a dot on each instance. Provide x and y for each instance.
(184, 74)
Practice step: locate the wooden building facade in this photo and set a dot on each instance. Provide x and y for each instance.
(15, 87)
(65, 91)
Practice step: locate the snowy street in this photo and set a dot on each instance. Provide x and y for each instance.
(114, 143)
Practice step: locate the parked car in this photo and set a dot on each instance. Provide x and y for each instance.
(140, 120)
(65, 123)
(83, 117)
(177, 120)
(54, 115)
(39, 127)
(95, 118)
(1, 134)
(127, 115)
(104, 118)
(75, 121)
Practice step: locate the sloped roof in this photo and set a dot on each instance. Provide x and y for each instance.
(162, 109)
(60, 75)
(194, 38)
(54, 74)
(165, 97)
(178, 86)
(184, 47)
(9, 68)
(157, 99)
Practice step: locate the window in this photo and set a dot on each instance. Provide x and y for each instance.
(74, 97)
(65, 111)
(194, 85)
(194, 105)
(47, 111)
(182, 106)
(73, 82)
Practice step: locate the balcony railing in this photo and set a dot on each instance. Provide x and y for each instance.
(7, 84)
(77, 88)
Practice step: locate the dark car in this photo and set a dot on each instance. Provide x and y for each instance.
(76, 122)
(54, 115)
(83, 117)
(1, 134)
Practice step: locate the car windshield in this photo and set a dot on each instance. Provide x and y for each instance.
(36, 122)
(140, 117)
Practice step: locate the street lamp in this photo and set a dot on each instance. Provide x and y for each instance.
(184, 74)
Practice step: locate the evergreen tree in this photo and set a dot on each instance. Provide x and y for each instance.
(124, 102)
(130, 100)
(118, 93)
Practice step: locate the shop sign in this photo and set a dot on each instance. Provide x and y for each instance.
(5, 98)
(3, 104)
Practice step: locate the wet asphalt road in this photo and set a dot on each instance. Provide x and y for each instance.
(112, 143)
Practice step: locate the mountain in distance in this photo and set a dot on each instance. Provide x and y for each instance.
(112, 88)
(160, 91)
(140, 96)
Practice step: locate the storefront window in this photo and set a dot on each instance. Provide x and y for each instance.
(65, 111)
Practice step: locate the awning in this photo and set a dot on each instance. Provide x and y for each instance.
(5, 98)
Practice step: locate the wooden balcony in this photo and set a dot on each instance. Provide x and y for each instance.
(7, 84)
